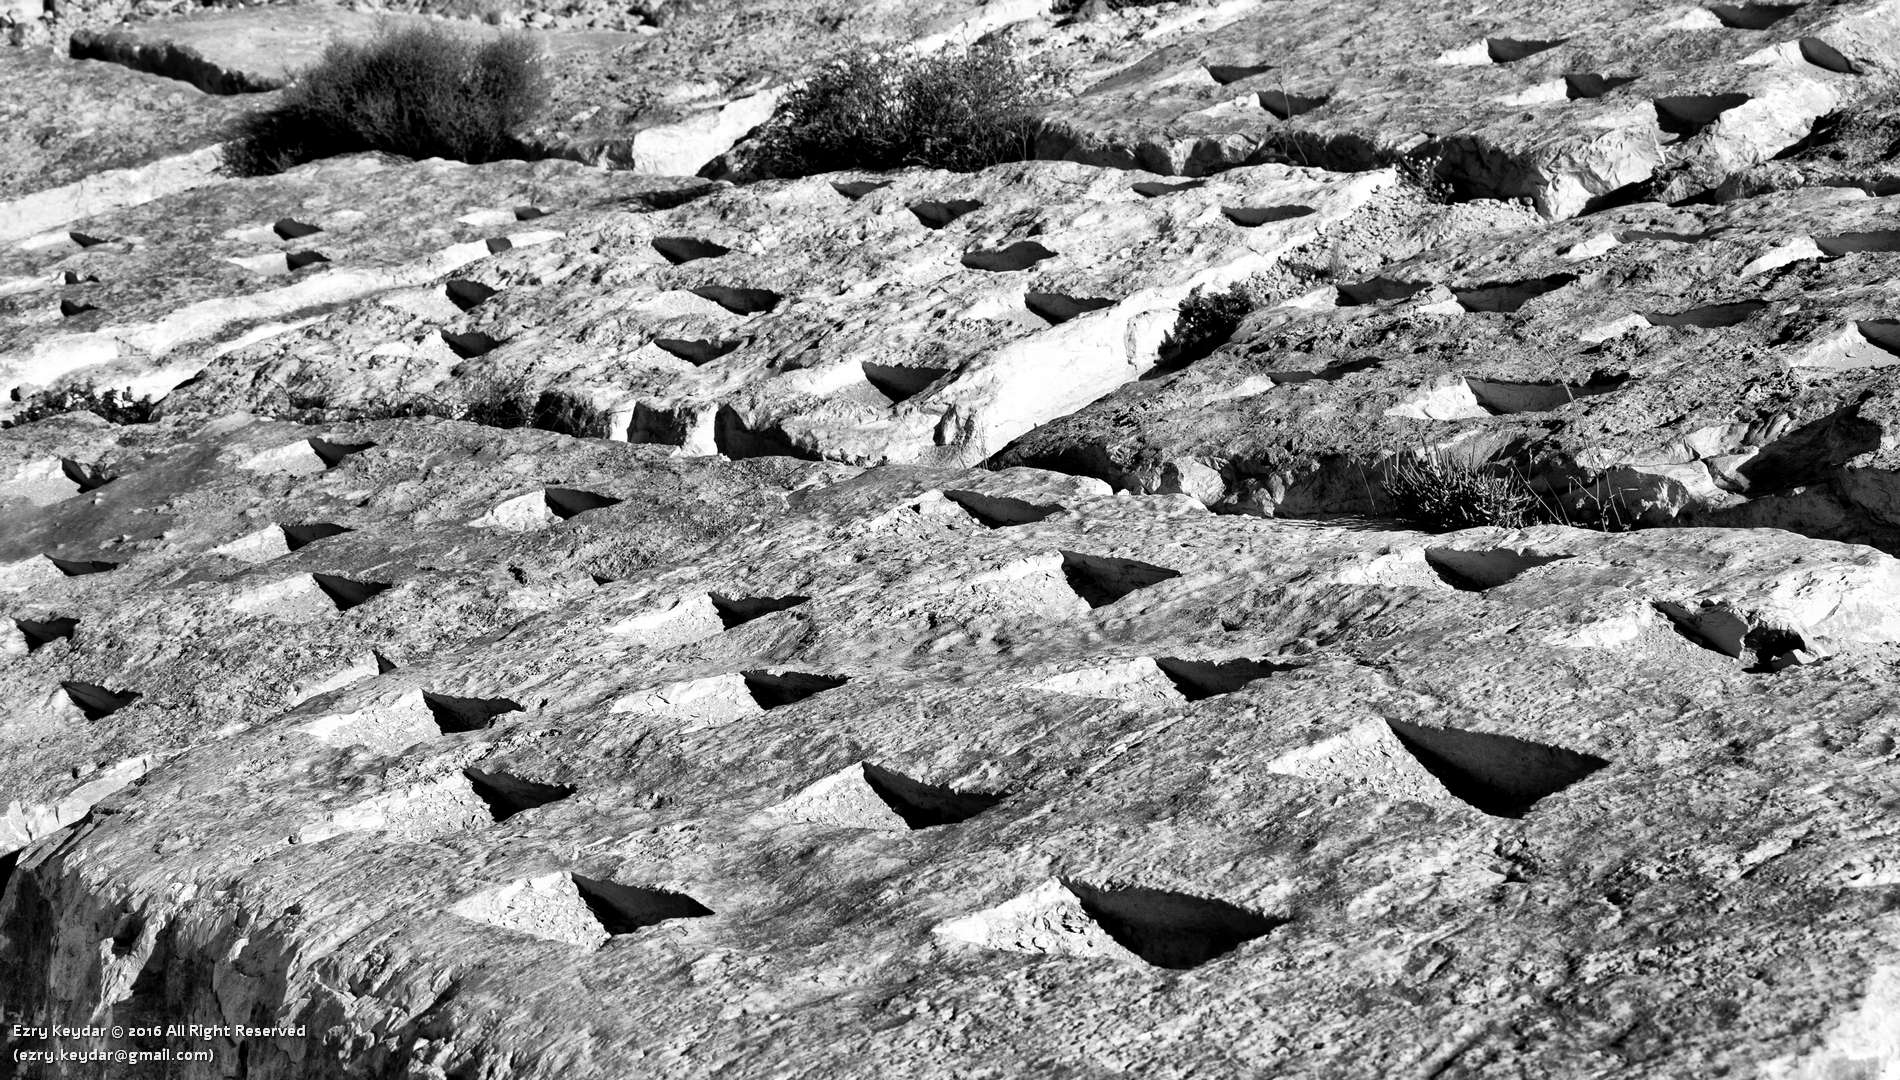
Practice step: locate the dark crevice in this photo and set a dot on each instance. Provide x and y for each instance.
(1498, 774)
(1502, 398)
(1688, 115)
(935, 214)
(698, 351)
(1585, 85)
(297, 537)
(1001, 511)
(1511, 50)
(459, 714)
(740, 301)
(1330, 373)
(900, 383)
(684, 249)
(926, 806)
(333, 453)
(1225, 74)
(1761, 649)
(623, 909)
(1375, 290)
(346, 593)
(565, 503)
(659, 426)
(42, 632)
(507, 794)
(777, 689)
(470, 345)
(1198, 680)
(1101, 580)
(858, 189)
(1708, 316)
(81, 567)
(88, 478)
(1149, 189)
(1751, 16)
(739, 610)
(1628, 195)
(291, 229)
(467, 295)
(1170, 929)
(1286, 106)
(1881, 240)
(1826, 57)
(735, 438)
(97, 702)
(1254, 216)
(1020, 255)
(1508, 296)
(1477, 571)
(1057, 308)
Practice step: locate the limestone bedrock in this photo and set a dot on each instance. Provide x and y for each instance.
(919, 654)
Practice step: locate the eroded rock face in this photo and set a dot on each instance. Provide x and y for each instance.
(1124, 737)
(936, 671)
(1563, 104)
(145, 297)
(928, 318)
(142, 136)
(1726, 363)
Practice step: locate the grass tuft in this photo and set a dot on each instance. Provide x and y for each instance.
(1445, 490)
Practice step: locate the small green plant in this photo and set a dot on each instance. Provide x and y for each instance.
(1428, 173)
(112, 404)
(420, 91)
(961, 110)
(1207, 320)
(1444, 490)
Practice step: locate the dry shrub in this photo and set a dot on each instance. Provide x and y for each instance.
(961, 110)
(420, 91)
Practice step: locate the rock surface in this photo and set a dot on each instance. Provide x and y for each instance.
(1564, 104)
(149, 293)
(662, 103)
(1727, 362)
(867, 757)
(944, 667)
(68, 123)
(928, 317)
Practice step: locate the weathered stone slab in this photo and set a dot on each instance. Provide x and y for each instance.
(140, 295)
(933, 783)
(1562, 104)
(927, 317)
(1654, 363)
